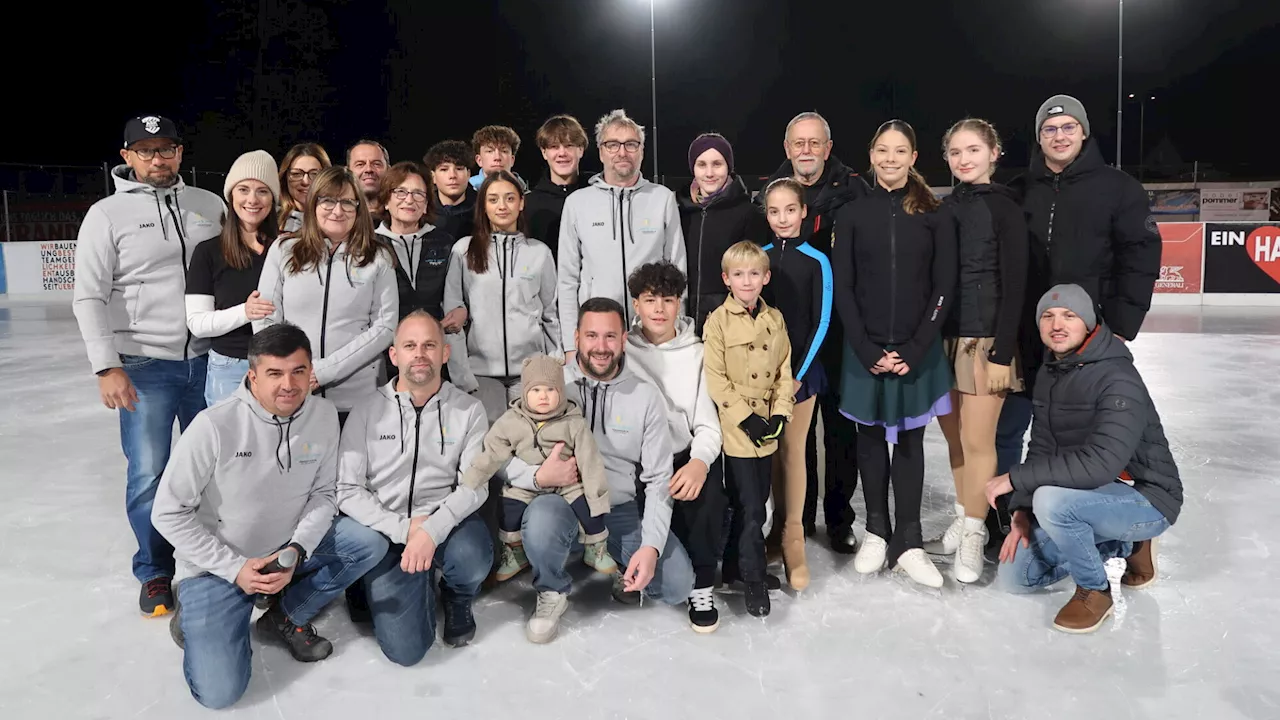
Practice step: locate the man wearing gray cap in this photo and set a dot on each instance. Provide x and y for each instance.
(132, 255)
(1099, 480)
(1089, 224)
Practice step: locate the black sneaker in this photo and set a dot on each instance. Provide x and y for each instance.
(156, 597)
(304, 644)
(459, 623)
(729, 576)
(757, 599)
(623, 596)
(703, 616)
(843, 541)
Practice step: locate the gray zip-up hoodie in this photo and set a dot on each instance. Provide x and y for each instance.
(349, 313)
(132, 254)
(628, 419)
(399, 461)
(606, 232)
(512, 306)
(675, 368)
(242, 483)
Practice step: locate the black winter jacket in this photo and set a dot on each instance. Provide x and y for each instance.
(801, 287)
(543, 207)
(458, 220)
(894, 275)
(1090, 225)
(426, 256)
(1095, 423)
(840, 185)
(708, 232)
(991, 246)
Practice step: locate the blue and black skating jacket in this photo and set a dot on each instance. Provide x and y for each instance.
(801, 287)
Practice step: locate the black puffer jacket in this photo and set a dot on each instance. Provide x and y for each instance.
(708, 231)
(543, 207)
(991, 237)
(1090, 225)
(894, 275)
(1094, 423)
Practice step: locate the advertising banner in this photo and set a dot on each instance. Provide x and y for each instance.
(1180, 258)
(1244, 205)
(1242, 257)
(1174, 202)
(57, 266)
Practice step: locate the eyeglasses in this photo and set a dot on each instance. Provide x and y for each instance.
(613, 146)
(402, 193)
(296, 175)
(328, 204)
(811, 144)
(168, 153)
(1068, 129)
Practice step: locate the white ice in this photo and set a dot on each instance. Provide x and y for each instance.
(1201, 643)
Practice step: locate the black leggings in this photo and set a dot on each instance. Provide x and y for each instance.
(906, 473)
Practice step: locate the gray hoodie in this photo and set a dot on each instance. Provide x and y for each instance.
(606, 232)
(512, 306)
(242, 483)
(675, 368)
(393, 452)
(349, 313)
(628, 419)
(132, 255)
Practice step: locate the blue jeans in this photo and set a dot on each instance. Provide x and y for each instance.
(224, 377)
(167, 390)
(404, 606)
(1011, 430)
(1075, 531)
(550, 530)
(214, 613)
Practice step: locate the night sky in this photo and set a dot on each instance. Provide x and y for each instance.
(410, 73)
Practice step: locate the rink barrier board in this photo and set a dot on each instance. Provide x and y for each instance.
(1202, 263)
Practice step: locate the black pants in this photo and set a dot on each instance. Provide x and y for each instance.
(513, 515)
(747, 483)
(840, 441)
(699, 523)
(342, 420)
(907, 476)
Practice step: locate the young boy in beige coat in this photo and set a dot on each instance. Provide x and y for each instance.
(529, 430)
(748, 365)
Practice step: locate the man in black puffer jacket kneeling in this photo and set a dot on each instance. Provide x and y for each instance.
(1099, 480)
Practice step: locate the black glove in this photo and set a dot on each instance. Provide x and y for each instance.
(755, 427)
(775, 425)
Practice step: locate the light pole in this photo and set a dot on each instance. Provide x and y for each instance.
(1142, 132)
(653, 80)
(1120, 89)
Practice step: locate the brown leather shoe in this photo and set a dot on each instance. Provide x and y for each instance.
(1085, 612)
(1141, 568)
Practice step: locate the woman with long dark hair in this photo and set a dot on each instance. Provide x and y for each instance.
(222, 281)
(981, 332)
(298, 172)
(507, 282)
(895, 266)
(336, 281)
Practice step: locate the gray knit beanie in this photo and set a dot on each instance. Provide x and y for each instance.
(1062, 105)
(1073, 298)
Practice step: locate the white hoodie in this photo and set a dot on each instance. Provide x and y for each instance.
(675, 368)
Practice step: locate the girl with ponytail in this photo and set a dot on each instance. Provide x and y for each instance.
(894, 264)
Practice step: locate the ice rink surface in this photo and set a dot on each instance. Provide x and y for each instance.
(1201, 643)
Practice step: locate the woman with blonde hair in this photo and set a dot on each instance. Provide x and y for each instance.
(336, 281)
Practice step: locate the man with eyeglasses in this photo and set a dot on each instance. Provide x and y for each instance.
(617, 223)
(132, 254)
(828, 186)
(1090, 225)
(368, 160)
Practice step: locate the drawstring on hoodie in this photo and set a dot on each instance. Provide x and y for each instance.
(283, 430)
(582, 395)
(412, 269)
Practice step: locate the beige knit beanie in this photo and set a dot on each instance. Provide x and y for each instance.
(253, 165)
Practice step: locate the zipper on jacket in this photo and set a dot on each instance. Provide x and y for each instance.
(506, 356)
(182, 241)
(324, 308)
(413, 472)
(893, 270)
(622, 243)
(697, 302)
(1053, 207)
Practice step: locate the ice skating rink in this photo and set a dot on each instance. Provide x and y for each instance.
(1202, 643)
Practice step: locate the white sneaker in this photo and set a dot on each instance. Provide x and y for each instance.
(968, 567)
(870, 557)
(920, 568)
(545, 622)
(949, 543)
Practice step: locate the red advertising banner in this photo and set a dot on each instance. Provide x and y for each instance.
(1180, 258)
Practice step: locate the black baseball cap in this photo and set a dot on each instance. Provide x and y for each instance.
(150, 126)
